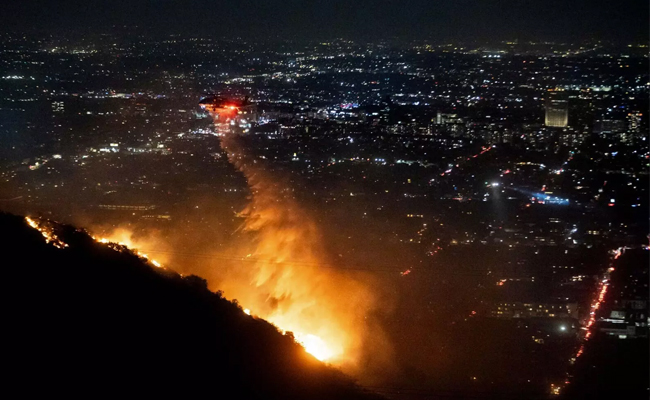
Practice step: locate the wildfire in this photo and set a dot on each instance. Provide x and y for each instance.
(315, 346)
(312, 344)
(121, 246)
(48, 234)
(51, 237)
(121, 240)
(324, 310)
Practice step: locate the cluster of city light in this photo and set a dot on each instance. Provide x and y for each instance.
(542, 198)
(48, 234)
(483, 151)
(555, 389)
(602, 290)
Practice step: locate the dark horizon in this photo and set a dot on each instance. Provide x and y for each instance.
(466, 20)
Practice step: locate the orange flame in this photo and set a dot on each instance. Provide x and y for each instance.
(48, 234)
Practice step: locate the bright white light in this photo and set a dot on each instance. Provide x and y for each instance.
(563, 328)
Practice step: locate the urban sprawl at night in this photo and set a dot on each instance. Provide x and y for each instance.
(435, 219)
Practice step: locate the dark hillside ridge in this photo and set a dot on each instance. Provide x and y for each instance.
(89, 321)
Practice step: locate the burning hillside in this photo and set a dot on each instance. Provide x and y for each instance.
(86, 314)
(276, 270)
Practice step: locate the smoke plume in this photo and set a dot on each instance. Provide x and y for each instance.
(288, 279)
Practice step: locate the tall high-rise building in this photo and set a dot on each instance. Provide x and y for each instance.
(557, 110)
(634, 122)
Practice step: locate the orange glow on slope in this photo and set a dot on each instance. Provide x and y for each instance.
(313, 344)
(297, 297)
(48, 234)
(51, 237)
(120, 238)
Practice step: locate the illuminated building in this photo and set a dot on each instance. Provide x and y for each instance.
(58, 107)
(634, 122)
(117, 207)
(534, 310)
(609, 126)
(557, 111)
(629, 320)
(442, 119)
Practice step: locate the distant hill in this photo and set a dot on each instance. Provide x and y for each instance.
(89, 321)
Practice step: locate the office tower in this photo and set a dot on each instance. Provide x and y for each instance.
(557, 110)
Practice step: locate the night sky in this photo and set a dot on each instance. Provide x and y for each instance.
(482, 20)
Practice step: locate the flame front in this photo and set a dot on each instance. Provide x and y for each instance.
(121, 238)
(315, 346)
(47, 232)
